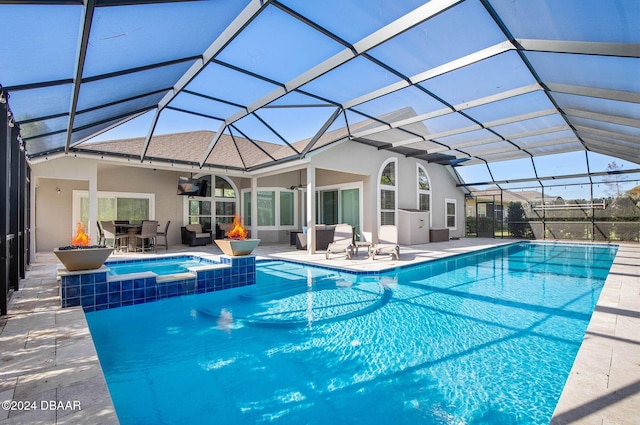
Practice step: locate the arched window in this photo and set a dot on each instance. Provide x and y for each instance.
(387, 199)
(225, 200)
(217, 205)
(223, 188)
(424, 190)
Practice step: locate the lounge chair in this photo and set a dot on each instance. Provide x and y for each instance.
(387, 242)
(342, 241)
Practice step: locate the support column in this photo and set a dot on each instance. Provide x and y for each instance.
(254, 208)
(5, 167)
(311, 209)
(93, 207)
(32, 218)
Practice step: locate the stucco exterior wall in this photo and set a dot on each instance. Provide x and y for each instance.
(163, 184)
(51, 215)
(341, 164)
(53, 211)
(53, 224)
(365, 161)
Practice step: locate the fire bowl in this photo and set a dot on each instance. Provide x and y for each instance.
(235, 247)
(83, 258)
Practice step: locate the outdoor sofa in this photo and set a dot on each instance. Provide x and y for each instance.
(193, 235)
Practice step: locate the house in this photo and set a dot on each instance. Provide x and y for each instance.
(353, 183)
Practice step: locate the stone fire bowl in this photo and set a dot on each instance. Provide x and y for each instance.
(83, 259)
(235, 247)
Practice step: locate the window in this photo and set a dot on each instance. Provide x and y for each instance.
(219, 205)
(276, 208)
(246, 207)
(134, 207)
(225, 199)
(327, 207)
(388, 176)
(286, 209)
(200, 212)
(424, 190)
(266, 208)
(223, 188)
(450, 213)
(387, 192)
(339, 204)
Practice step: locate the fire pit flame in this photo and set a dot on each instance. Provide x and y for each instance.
(81, 238)
(238, 231)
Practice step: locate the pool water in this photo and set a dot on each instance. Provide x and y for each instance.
(487, 338)
(162, 267)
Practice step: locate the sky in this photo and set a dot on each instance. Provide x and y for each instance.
(280, 47)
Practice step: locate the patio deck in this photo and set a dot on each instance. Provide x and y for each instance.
(48, 354)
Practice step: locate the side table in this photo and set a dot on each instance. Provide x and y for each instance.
(363, 244)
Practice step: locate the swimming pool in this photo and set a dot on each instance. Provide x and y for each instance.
(487, 338)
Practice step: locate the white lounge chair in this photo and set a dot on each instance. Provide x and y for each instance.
(342, 241)
(387, 242)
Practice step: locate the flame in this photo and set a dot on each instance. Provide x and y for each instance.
(81, 238)
(238, 231)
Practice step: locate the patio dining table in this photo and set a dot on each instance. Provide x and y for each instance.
(131, 229)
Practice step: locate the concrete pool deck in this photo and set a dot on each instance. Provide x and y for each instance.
(48, 356)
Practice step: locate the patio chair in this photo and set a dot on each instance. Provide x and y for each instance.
(387, 242)
(194, 235)
(148, 232)
(101, 238)
(342, 241)
(164, 235)
(110, 233)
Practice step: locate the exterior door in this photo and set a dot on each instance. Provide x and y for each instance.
(486, 222)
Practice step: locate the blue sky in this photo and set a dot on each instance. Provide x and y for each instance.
(280, 47)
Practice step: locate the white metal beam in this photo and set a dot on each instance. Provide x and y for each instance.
(446, 111)
(621, 96)
(212, 144)
(581, 47)
(434, 72)
(83, 43)
(402, 24)
(248, 14)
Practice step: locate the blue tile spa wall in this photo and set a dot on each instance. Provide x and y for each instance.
(93, 291)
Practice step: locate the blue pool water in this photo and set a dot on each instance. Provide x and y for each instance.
(487, 338)
(159, 266)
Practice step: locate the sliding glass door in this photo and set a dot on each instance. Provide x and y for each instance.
(327, 207)
(350, 208)
(336, 206)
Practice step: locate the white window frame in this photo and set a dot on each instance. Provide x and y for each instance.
(448, 201)
(423, 191)
(78, 194)
(277, 191)
(340, 187)
(212, 199)
(381, 187)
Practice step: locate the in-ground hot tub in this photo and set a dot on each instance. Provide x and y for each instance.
(136, 281)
